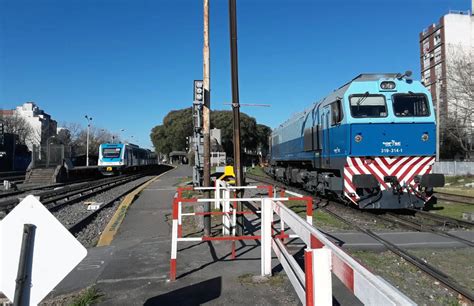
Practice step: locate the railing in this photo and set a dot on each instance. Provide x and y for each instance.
(313, 284)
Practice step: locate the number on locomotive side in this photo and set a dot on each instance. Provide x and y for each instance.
(391, 150)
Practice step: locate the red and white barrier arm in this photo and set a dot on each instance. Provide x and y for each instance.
(314, 286)
(367, 287)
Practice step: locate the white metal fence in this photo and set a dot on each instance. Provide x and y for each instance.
(454, 168)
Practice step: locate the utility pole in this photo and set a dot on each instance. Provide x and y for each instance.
(206, 117)
(89, 119)
(236, 107)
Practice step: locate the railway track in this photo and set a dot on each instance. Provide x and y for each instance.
(454, 198)
(67, 194)
(17, 178)
(422, 227)
(67, 203)
(57, 191)
(432, 271)
(447, 221)
(7, 194)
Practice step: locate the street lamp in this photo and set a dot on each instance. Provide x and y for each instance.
(89, 119)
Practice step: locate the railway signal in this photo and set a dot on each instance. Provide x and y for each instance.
(198, 91)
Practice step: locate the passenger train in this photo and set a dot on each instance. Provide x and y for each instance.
(118, 158)
(371, 142)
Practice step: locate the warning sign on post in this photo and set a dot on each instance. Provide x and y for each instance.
(55, 250)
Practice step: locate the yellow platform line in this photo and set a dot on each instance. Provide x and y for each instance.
(114, 224)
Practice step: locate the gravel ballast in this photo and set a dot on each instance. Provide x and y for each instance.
(90, 234)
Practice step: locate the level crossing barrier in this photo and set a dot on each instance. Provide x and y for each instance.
(313, 285)
(321, 256)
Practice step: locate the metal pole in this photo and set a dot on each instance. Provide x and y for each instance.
(437, 126)
(23, 277)
(206, 116)
(236, 106)
(87, 145)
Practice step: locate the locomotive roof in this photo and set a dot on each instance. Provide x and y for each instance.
(363, 77)
(339, 92)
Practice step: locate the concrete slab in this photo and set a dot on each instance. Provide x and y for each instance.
(407, 240)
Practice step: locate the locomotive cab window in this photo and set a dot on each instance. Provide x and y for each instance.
(368, 106)
(336, 112)
(111, 152)
(410, 105)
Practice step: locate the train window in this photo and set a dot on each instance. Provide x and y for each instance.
(368, 106)
(410, 105)
(111, 152)
(336, 112)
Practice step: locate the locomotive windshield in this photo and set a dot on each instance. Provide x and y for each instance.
(368, 106)
(111, 152)
(410, 105)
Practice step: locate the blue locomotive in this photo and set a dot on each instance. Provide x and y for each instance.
(117, 158)
(371, 142)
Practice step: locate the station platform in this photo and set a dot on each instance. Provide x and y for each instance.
(134, 268)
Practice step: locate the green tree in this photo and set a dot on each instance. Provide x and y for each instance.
(177, 125)
(171, 135)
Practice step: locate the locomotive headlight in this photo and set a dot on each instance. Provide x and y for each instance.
(358, 138)
(387, 85)
(425, 137)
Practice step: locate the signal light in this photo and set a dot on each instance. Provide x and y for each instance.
(358, 138)
(425, 137)
(198, 91)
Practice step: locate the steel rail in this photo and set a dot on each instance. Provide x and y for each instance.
(86, 193)
(443, 219)
(24, 190)
(458, 198)
(13, 178)
(423, 227)
(64, 192)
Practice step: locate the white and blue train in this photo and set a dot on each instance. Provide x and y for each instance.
(118, 158)
(372, 142)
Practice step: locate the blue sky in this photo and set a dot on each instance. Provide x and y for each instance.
(127, 63)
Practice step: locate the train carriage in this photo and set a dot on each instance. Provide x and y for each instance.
(371, 142)
(117, 158)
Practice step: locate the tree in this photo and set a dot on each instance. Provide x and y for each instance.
(459, 123)
(171, 135)
(73, 135)
(178, 124)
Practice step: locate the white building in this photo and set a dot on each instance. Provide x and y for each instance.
(41, 124)
(441, 46)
